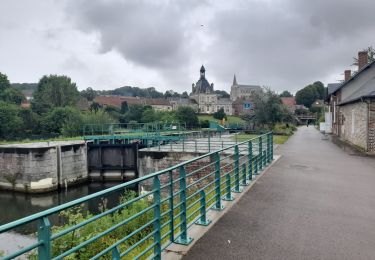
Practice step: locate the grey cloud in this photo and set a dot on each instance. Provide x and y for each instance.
(289, 44)
(285, 44)
(148, 33)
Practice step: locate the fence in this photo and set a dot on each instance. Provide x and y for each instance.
(142, 225)
(131, 128)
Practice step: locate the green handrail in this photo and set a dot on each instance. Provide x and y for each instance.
(192, 188)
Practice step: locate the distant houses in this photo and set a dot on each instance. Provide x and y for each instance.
(352, 105)
(158, 104)
(203, 98)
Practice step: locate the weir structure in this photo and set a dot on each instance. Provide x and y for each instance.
(142, 225)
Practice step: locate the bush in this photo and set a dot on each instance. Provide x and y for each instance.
(284, 129)
(61, 117)
(204, 123)
(220, 114)
(11, 125)
(77, 215)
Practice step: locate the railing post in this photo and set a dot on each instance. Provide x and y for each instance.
(183, 144)
(260, 154)
(183, 238)
(157, 218)
(115, 254)
(203, 219)
(218, 205)
(245, 182)
(268, 148)
(250, 159)
(265, 157)
(271, 146)
(265, 153)
(171, 214)
(44, 236)
(209, 142)
(237, 188)
(228, 194)
(196, 150)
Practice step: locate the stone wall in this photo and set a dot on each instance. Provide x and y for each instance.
(354, 123)
(40, 167)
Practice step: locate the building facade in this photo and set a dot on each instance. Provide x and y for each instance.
(352, 106)
(238, 91)
(207, 100)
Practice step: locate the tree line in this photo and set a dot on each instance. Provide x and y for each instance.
(150, 92)
(54, 111)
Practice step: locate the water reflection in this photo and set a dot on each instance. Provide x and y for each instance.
(14, 205)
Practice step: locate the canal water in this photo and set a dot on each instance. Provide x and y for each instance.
(14, 205)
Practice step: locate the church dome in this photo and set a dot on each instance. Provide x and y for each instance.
(202, 85)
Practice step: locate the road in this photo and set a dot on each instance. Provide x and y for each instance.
(316, 202)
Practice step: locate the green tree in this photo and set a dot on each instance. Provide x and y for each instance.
(320, 89)
(185, 114)
(124, 107)
(268, 109)
(11, 125)
(310, 93)
(135, 113)
(31, 121)
(185, 95)
(88, 93)
(4, 82)
(148, 115)
(59, 117)
(220, 114)
(100, 117)
(56, 91)
(286, 93)
(94, 107)
(12, 95)
(222, 94)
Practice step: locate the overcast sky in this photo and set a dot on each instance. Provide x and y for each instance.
(104, 44)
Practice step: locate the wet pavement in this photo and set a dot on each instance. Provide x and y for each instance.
(316, 202)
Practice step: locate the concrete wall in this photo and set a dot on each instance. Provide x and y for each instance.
(40, 167)
(153, 161)
(73, 166)
(354, 124)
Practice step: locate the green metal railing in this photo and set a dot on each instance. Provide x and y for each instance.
(143, 225)
(131, 128)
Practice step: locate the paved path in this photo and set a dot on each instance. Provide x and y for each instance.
(316, 202)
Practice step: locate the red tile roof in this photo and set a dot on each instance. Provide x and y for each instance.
(288, 101)
(116, 101)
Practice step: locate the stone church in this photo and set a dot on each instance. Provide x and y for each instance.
(208, 101)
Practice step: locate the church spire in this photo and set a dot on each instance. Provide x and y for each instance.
(203, 70)
(234, 80)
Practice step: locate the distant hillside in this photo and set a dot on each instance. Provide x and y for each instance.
(134, 92)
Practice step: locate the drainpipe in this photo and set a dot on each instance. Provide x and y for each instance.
(367, 125)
